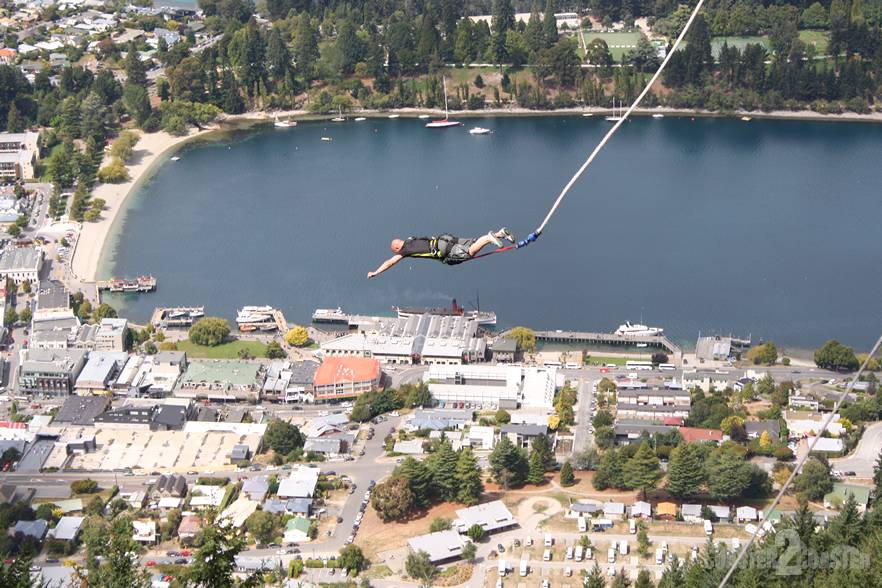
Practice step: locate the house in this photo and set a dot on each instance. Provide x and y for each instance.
(35, 530)
(409, 447)
(172, 485)
(632, 432)
(641, 510)
(190, 525)
(297, 530)
(300, 483)
(299, 506)
(238, 512)
(653, 404)
(722, 513)
(70, 505)
(522, 434)
(797, 401)
(755, 429)
(706, 380)
(275, 506)
(443, 546)
(438, 419)
(290, 381)
(326, 447)
(144, 532)
(805, 423)
(613, 510)
(204, 496)
(745, 514)
(481, 437)
(666, 511)
(256, 488)
(691, 513)
(825, 445)
(167, 503)
(325, 426)
(505, 351)
(693, 435)
(579, 509)
(491, 516)
(81, 410)
(239, 453)
(841, 492)
(346, 377)
(498, 386)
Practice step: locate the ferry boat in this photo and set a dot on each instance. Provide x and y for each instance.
(330, 315)
(638, 330)
(284, 124)
(484, 317)
(445, 122)
(175, 158)
(423, 116)
(746, 118)
(479, 131)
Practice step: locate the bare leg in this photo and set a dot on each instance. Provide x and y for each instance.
(482, 242)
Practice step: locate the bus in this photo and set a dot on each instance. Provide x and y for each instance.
(666, 367)
(638, 365)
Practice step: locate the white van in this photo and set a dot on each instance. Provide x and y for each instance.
(623, 547)
(570, 552)
(502, 568)
(580, 553)
(589, 553)
(583, 525)
(547, 555)
(708, 527)
(632, 526)
(611, 555)
(659, 556)
(549, 540)
(524, 568)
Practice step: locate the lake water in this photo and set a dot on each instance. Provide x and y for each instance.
(768, 228)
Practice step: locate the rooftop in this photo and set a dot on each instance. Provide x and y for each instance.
(334, 370)
(20, 258)
(81, 410)
(237, 373)
(490, 515)
(440, 546)
(52, 295)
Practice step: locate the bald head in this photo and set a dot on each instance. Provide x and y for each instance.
(396, 245)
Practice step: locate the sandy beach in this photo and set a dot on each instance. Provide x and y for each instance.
(150, 150)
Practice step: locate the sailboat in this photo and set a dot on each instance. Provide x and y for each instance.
(613, 117)
(340, 117)
(283, 124)
(445, 122)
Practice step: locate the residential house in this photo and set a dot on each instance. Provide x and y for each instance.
(204, 496)
(327, 447)
(35, 530)
(641, 510)
(691, 513)
(256, 488)
(696, 435)
(172, 485)
(632, 432)
(523, 434)
(409, 447)
(190, 525)
(722, 513)
(652, 404)
(481, 437)
(299, 506)
(297, 530)
(706, 380)
(442, 547)
(755, 429)
(804, 423)
(825, 445)
(145, 532)
(491, 516)
(666, 511)
(613, 510)
(841, 492)
(300, 483)
(799, 402)
(438, 419)
(746, 514)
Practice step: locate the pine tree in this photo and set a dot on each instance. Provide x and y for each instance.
(642, 471)
(845, 528)
(278, 60)
(306, 49)
(231, 99)
(468, 477)
(549, 24)
(673, 576)
(509, 464)
(566, 474)
(534, 35)
(537, 472)
(685, 471)
(419, 479)
(135, 72)
(442, 467)
(15, 122)
(502, 17)
(644, 579)
(609, 471)
(877, 475)
(541, 444)
(427, 44)
(595, 578)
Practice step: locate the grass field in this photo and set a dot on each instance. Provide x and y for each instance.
(819, 39)
(618, 43)
(224, 351)
(740, 42)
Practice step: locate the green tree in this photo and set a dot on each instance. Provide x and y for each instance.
(114, 172)
(502, 417)
(644, 579)
(642, 471)
(566, 474)
(502, 16)
(297, 336)
(643, 542)
(393, 499)
(595, 578)
(351, 558)
(420, 567)
(262, 526)
(534, 35)
(524, 337)
(214, 562)
(509, 464)
(440, 524)
(419, 478)
(536, 474)
(765, 354)
(469, 551)
(609, 472)
(549, 24)
(283, 437)
(274, 350)
(116, 568)
(306, 49)
(814, 481)
(103, 311)
(815, 17)
(470, 487)
(442, 470)
(728, 475)
(685, 470)
(541, 444)
(597, 54)
(476, 532)
(210, 331)
(15, 121)
(350, 46)
(25, 315)
(10, 317)
(836, 356)
(84, 486)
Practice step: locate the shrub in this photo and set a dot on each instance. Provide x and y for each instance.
(114, 172)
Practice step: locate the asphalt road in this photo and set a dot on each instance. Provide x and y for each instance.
(863, 459)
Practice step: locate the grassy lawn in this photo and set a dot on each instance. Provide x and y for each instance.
(224, 351)
(598, 360)
(819, 39)
(740, 42)
(618, 43)
(459, 75)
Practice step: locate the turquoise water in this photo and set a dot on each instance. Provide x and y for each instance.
(768, 228)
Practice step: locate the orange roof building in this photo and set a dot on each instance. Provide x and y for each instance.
(346, 377)
(692, 434)
(666, 510)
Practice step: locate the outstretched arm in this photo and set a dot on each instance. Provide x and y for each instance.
(386, 265)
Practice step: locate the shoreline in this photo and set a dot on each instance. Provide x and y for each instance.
(153, 149)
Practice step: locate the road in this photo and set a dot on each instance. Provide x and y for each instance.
(863, 459)
(583, 438)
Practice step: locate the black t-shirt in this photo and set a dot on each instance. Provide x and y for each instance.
(416, 246)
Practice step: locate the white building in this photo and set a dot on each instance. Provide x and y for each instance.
(21, 263)
(491, 516)
(111, 334)
(18, 155)
(482, 437)
(493, 385)
(804, 424)
(441, 546)
(144, 532)
(300, 483)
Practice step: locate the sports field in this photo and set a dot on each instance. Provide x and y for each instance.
(740, 42)
(819, 39)
(618, 43)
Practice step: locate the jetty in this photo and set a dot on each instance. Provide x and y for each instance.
(128, 286)
(176, 316)
(660, 342)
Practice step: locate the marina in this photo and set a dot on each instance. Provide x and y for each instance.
(176, 317)
(126, 286)
(260, 318)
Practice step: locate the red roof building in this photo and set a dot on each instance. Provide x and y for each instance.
(346, 377)
(692, 434)
(673, 421)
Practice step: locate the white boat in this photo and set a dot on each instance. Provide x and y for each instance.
(643, 345)
(330, 315)
(587, 114)
(423, 116)
(327, 139)
(175, 158)
(479, 131)
(339, 117)
(613, 117)
(360, 118)
(394, 115)
(638, 330)
(658, 115)
(746, 118)
(445, 122)
(284, 124)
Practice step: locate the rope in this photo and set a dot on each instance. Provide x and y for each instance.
(802, 461)
(618, 124)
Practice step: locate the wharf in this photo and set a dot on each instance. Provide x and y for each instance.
(177, 316)
(339, 318)
(587, 338)
(139, 284)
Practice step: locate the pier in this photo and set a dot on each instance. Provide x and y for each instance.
(660, 342)
(137, 285)
(178, 316)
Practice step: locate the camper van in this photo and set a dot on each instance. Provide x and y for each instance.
(580, 553)
(659, 556)
(623, 547)
(583, 525)
(549, 540)
(589, 553)
(611, 555)
(632, 527)
(502, 568)
(708, 527)
(570, 552)
(524, 568)
(547, 555)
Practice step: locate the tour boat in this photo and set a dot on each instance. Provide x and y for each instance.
(637, 330)
(613, 117)
(175, 158)
(327, 139)
(284, 124)
(587, 114)
(479, 131)
(445, 122)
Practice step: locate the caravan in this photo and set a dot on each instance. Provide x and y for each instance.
(524, 568)
(502, 568)
(611, 554)
(708, 528)
(583, 525)
(580, 553)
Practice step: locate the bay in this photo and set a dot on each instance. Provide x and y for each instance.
(767, 228)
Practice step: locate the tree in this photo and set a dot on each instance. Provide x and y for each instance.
(419, 566)
(15, 121)
(440, 524)
(85, 486)
(103, 311)
(541, 444)
(642, 471)
(297, 336)
(685, 471)
(351, 558)
(549, 24)
(597, 53)
(214, 562)
(116, 568)
(25, 315)
(502, 417)
(114, 172)
(469, 551)
(524, 337)
(209, 331)
(621, 580)
(566, 474)
(659, 357)
(609, 472)
(815, 17)
(10, 317)
(306, 49)
(877, 473)
(595, 578)
(419, 479)
(509, 464)
(476, 532)
(733, 426)
(470, 487)
(836, 356)
(442, 469)
(275, 351)
(728, 475)
(283, 437)
(765, 354)
(536, 473)
(643, 542)
(502, 16)
(814, 481)
(393, 499)
(644, 579)
(262, 526)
